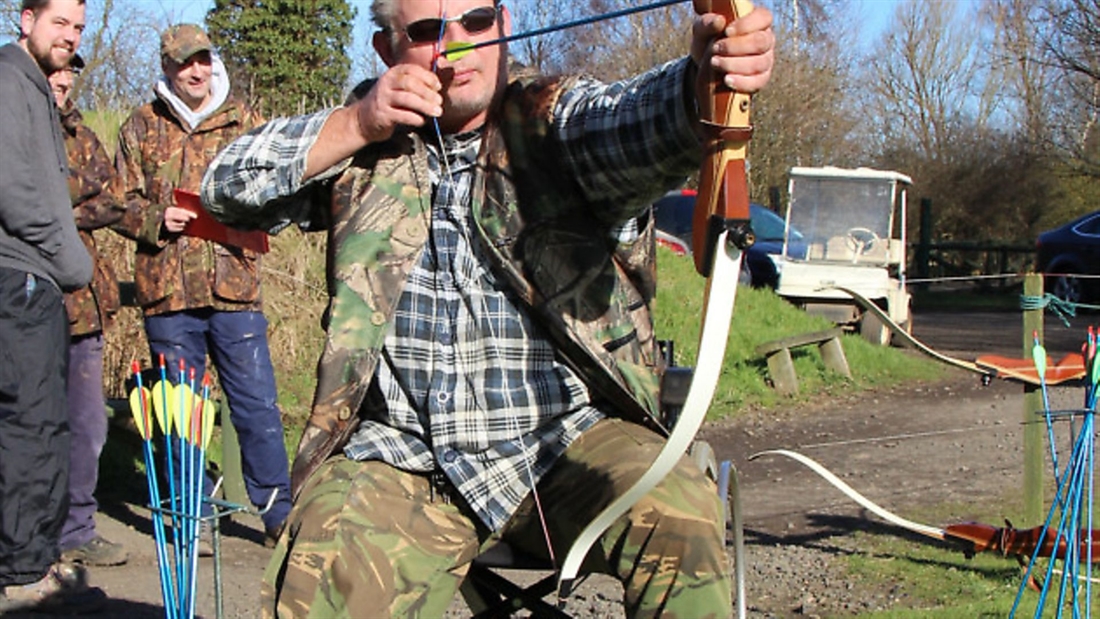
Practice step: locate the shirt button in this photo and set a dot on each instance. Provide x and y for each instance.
(377, 319)
(442, 396)
(450, 456)
(446, 336)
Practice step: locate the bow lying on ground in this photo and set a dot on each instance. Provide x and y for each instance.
(972, 537)
(722, 231)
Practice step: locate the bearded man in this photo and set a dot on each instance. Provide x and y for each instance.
(489, 341)
(41, 256)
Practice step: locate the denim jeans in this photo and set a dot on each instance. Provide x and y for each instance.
(88, 426)
(237, 344)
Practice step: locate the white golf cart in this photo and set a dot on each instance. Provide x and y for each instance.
(850, 248)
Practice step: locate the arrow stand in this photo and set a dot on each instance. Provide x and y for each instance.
(178, 584)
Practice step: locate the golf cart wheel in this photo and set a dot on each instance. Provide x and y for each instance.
(907, 326)
(874, 330)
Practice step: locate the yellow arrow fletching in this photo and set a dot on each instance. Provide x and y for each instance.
(164, 404)
(183, 413)
(1039, 355)
(139, 408)
(455, 50)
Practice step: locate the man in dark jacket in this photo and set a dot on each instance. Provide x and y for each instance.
(40, 256)
(91, 311)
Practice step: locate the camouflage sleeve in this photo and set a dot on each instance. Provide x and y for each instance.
(256, 182)
(91, 185)
(143, 219)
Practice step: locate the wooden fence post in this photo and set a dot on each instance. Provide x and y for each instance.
(924, 247)
(1034, 459)
(232, 475)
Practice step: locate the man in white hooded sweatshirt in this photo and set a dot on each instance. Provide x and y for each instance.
(200, 296)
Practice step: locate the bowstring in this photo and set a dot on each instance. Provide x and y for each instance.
(437, 50)
(437, 53)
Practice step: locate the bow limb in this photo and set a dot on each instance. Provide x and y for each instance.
(878, 510)
(724, 223)
(713, 337)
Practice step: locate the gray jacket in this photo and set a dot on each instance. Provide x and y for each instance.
(37, 231)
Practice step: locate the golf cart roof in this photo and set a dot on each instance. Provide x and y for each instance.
(858, 173)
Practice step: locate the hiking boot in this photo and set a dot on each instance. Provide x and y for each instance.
(98, 552)
(272, 535)
(63, 590)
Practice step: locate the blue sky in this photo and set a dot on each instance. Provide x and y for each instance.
(875, 14)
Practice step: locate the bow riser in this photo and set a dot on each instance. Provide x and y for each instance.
(723, 199)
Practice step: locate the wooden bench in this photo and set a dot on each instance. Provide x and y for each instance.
(781, 366)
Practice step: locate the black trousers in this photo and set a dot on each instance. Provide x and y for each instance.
(34, 425)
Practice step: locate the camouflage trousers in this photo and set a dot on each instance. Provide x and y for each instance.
(366, 539)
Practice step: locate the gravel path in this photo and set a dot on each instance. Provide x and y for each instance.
(902, 448)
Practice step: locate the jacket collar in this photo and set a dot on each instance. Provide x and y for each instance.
(15, 54)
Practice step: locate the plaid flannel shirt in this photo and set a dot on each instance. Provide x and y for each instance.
(471, 385)
(468, 384)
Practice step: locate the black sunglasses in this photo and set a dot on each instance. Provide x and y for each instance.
(473, 21)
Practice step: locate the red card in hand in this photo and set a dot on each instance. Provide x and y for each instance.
(204, 226)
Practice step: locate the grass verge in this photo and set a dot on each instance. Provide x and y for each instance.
(933, 579)
(761, 316)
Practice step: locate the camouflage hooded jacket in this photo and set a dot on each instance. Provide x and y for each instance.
(157, 155)
(552, 246)
(92, 183)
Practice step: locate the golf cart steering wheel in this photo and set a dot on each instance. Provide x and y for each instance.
(861, 240)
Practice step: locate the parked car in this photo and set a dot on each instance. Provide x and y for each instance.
(673, 214)
(675, 244)
(1067, 252)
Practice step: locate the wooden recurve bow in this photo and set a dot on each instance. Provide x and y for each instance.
(721, 232)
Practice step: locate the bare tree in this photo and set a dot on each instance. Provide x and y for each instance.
(807, 115)
(934, 87)
(119, 47)
(1074, 47)
(1018, 69)
(544, 53)
(9, 30)
(121, 51)
(921, 76)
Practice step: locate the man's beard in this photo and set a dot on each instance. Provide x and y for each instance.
(45, 58)
(467, 108)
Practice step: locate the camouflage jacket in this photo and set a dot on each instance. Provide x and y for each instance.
(156, 155)
(537, 229)
(92, 183)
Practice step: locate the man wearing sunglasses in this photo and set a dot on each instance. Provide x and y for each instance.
(490, 369)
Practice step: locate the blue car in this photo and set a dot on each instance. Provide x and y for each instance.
(673, 213)
(1066, 253)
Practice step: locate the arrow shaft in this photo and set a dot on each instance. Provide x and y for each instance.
(584, 21)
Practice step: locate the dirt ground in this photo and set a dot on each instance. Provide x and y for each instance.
(901, 447)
